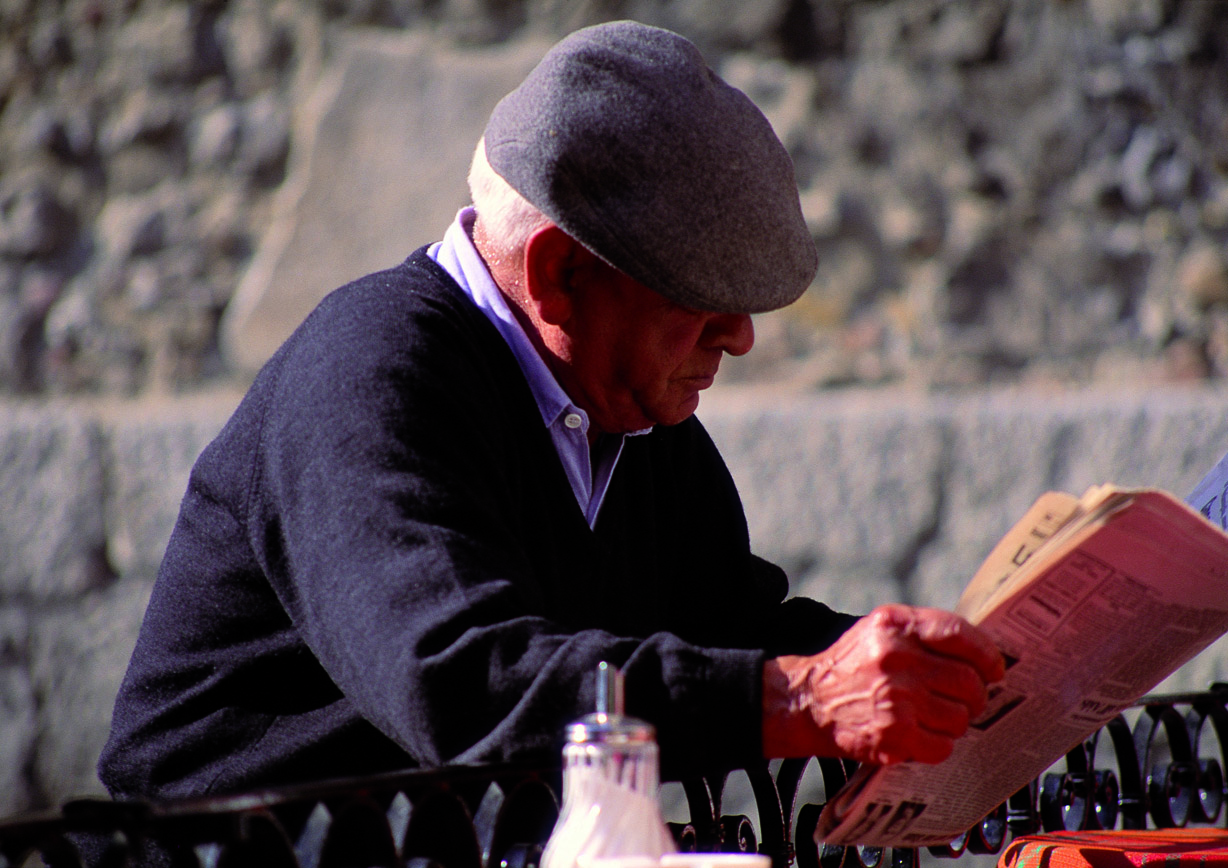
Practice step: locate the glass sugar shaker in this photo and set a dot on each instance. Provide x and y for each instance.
(623, 749)
(611, 774)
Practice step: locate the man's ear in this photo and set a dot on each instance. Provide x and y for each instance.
(555, 266)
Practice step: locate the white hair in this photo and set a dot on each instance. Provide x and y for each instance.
(507, 217)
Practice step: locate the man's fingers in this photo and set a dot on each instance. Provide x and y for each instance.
(947, 634)
(931, 748)
(962, 641)
(958, 683)
(920, 746)
(927, 734)
(944, 717)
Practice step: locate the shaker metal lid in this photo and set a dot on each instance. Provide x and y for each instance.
(609, 725)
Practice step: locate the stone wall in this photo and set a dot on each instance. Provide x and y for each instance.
(1002, 190)
(862, 497)
(90, 493)
(1019, 194)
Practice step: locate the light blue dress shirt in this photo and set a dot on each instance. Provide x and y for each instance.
(566, 423)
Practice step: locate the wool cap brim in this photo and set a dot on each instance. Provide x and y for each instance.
(630, 143)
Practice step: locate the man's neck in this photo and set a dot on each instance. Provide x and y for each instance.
(507, 273)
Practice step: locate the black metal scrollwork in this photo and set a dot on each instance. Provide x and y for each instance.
(1160, 770)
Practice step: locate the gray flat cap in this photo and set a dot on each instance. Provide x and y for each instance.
(626, 140)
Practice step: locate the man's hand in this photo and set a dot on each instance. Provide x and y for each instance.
(901, 684)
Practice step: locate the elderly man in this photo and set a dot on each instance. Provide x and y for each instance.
(465, 481)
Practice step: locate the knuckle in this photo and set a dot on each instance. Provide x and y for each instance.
(941, 750)
(958, 720)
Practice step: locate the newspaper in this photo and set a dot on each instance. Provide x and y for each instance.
(1093, 601)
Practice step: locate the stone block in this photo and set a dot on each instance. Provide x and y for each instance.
(1008, 449)
(1001, 459)
(1168, 439)
(52, 540)
(870, 498)
(18, 723)
(840, 491)
(152, 449)
(78, 657)
(382, 150)
(863, 498)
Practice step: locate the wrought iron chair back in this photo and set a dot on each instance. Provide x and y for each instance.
(1153, 767)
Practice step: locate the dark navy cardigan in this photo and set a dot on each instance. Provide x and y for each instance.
(379, 564)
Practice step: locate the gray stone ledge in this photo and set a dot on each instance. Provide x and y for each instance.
(863, 497)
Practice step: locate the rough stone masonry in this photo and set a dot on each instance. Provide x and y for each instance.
(1022, 209)
(1025, 191)
(863, 497)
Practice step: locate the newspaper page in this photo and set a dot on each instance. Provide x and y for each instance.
(1093, 602)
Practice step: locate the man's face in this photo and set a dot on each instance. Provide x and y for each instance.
(638, 359)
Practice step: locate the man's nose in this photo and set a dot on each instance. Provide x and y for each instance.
(732, 332)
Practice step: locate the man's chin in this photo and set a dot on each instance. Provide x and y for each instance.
(649, 415)
(684, 410)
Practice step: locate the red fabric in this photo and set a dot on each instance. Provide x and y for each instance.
(1117, 849)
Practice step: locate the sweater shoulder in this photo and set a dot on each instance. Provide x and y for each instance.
(401, 328)
(398, 338)
(417, 294)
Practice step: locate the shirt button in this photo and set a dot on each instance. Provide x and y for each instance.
(573, 420)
